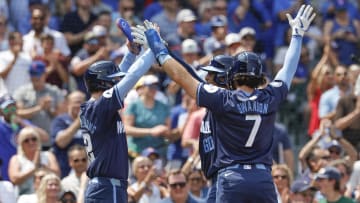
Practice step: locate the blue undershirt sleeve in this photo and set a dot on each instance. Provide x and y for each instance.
(291, 61)
(136, 70)
(128, 59)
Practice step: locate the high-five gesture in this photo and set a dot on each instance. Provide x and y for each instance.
(300, 24)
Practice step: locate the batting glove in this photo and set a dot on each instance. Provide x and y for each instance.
(155, 43)
(302, 20)
(138, 34)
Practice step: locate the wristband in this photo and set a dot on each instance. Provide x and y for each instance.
(163, 58)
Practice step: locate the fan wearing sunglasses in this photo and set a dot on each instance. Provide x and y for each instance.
(178, 188)
(28, 159)
(78, 163)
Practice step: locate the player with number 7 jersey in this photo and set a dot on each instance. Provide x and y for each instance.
(237, 132)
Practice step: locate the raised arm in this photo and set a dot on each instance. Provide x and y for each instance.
(136, 70)
(126, 62)
(139, 37)
(173, 68)
(299, 25)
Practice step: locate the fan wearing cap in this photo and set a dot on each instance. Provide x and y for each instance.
(186, 20)
(247, 37)
(218, 33)
(39, 101)
(302, 191)
(233, 43)
(10, 125)
(147, 120)
(93, 50)
(328, 182)
(190, 52)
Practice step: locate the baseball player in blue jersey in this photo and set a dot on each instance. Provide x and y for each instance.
(102, 128)
(236, 135)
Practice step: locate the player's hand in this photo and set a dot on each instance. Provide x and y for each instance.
(155, 43)
(138, 34)
(300, 24)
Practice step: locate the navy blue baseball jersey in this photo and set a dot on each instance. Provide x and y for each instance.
(238, 125)
(104, 136)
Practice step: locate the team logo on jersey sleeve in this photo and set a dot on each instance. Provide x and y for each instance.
(108, 93)
(210, 88)
(276, 83)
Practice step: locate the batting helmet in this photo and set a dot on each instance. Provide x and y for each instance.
(102, 75)
(220, 64)
(245, 64)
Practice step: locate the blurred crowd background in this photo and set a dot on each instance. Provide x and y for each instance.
(47, 45)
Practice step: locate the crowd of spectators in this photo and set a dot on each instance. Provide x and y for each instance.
(46, 47)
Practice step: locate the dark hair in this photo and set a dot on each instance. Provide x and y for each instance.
(337, 185)
(311, 156)
(104, 12)
(250, 81)
(76, 147)
(175, 172)
(47, 37)
(13, 35)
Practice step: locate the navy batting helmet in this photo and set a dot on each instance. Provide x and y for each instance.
(220, 64)
(245, 64)
(102, 75)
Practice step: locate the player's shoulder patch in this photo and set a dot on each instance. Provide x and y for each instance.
(211, 88)
(277, 83)
(108, 93)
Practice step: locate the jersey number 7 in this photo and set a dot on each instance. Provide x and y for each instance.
(254, 130)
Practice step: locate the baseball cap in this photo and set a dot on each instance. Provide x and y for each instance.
(37, 68)
(301, 185)
(247, 31)
(189, 46)
(339, 5)
(334, 143)
(90, 38)
(6, 100)
(99, 31)
(149, 80)
(218, 21)
(185, 15)
(149, 151)
(328, 172)
(232, 38)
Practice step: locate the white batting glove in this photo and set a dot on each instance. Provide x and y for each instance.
(138, 34)
(302, 20)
